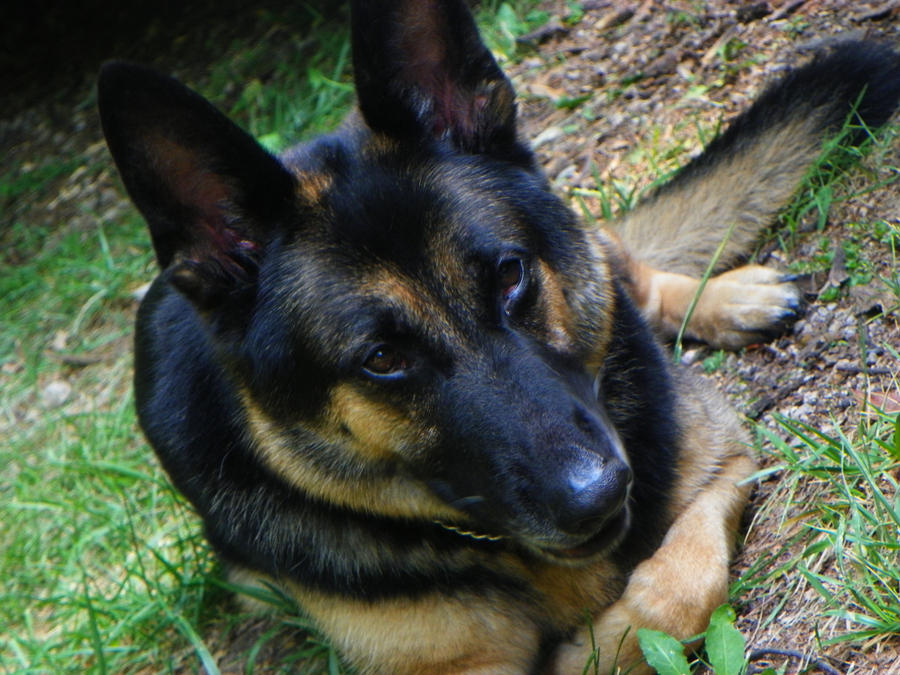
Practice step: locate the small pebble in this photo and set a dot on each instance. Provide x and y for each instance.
(56, 394)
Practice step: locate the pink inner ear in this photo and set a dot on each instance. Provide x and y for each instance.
(189, 181)
(422, 42)
(455, 108)
(203, 193)
(422, 39)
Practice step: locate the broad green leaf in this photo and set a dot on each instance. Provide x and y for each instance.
(663, 652)
(724, 643)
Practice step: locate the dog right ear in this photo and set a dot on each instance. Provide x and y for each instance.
(422, 71)
(211, 195)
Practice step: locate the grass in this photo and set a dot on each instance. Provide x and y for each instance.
(306, 89)
(858, 523)
(836, 507)
(95, 543)
(104, 566)
(838, 503)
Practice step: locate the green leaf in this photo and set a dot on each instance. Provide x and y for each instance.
(663, 652)
(724, 643)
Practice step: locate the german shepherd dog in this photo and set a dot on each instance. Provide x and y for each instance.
(397, 377)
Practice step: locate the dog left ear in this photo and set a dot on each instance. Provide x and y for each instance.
(210, 194)
(422, 71)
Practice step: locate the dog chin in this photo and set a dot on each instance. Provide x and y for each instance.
(607, 538)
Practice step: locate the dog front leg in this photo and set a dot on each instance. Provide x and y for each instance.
(745, 305)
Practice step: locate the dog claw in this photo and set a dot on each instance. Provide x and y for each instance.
(749, 304)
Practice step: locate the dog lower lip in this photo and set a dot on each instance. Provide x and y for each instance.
(607, 537)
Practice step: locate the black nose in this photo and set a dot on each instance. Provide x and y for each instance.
(591, 489)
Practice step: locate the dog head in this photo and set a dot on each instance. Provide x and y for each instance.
(412, 320)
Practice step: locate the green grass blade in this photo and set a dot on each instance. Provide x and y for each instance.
(202, 651)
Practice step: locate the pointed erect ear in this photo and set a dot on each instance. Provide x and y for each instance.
(421, 70)
(210, 194)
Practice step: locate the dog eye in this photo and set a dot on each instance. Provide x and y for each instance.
(510, 280)
(385, 360)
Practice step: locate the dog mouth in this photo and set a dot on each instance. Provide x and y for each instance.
(610, 534)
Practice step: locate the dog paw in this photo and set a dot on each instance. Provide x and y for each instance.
(744, 306)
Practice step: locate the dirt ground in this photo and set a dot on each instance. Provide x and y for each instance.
(705, 61)
(645, 75)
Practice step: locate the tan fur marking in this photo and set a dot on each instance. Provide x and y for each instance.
(378, 431)
(448, 264)
(663, 297)
(412, 298)
(571, 591)
(312, 185)
(379, 144)
(735, 308)
(680, 230)
(391, 493)
(433, 635)
(605, 257)
(558, 319)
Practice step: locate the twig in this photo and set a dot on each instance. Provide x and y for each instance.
(821, 664)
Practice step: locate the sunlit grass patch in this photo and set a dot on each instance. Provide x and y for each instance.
(99, 544)
(841, 489)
